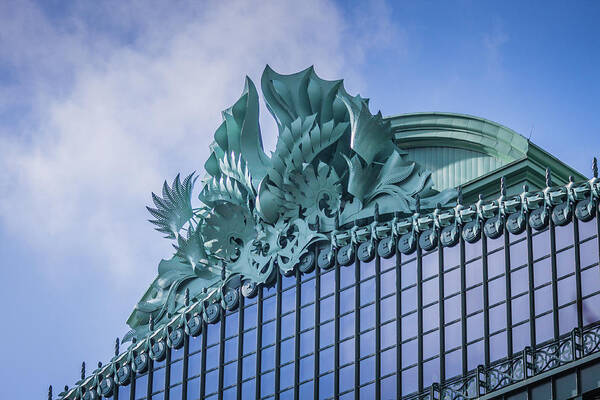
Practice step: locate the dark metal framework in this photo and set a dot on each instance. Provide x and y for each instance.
(494, 312)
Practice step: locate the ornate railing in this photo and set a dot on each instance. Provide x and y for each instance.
(521, 366)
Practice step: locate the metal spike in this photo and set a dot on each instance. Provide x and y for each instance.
(418, 203)
(376, 212)
(459, 195)
(337, 220)
(548, 177)
(66, 388)
(571, 179)
(50, 392)
(502, 186)
(526, 187)
(186, 297)
(595, 167)
(83, 370)
(117, 347)
(99, 364)
(480, 197)
(151, 323)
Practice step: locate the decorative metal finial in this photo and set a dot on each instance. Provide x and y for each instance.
(480, 197)
(502, 186)
(151, 323)
(50, 392)
(186, 297)
(66, 388)
(133, 340)
(525, 187)
(438, 205)
(117, 347)
(99, 364)
(222, 272)
(337, 220)
(548, 177)
(595, 167)
(417, 203)
(376, 213)
(459, 195)
(571, 179)
(83, 370)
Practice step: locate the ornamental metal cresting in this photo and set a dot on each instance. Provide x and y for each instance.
(340, 190)
(334, 164)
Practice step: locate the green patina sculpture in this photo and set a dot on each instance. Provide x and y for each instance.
(334, 163)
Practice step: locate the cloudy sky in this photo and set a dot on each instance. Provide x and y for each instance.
(101, 101)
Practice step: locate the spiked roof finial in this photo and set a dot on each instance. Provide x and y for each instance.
(417, 203)
(502, 186)
(595, 167)
(186, 297)
(548, 177)
(99, 364)
(151, 323)
(459, 195)
(83, 370)
(117, 347)
(50, 392)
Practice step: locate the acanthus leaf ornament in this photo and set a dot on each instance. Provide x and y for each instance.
(334, 163)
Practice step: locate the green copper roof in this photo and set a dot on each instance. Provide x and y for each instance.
(474, 152)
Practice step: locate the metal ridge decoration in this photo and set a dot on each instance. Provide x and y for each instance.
(336, 187)
(334, 164)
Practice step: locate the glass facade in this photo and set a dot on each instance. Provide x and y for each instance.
(389, 327)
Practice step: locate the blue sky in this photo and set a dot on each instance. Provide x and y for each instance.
(100, 103)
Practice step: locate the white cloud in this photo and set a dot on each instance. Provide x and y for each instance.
(116, 107)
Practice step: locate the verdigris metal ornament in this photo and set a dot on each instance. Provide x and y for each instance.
(307, 262)
(366, 251)
(428, 239)
(231, 299)
(407, 243)
(249, 289)
(345, 255)
(140, 363)
(538, 219)
(158, 351)
(194, 326)
(515, 223)
(90, 394)
(325, 258)
(585, 210)
(106, 387)
(493, 227)
(386, 247)
(449, 235)
(176, 338)
(259, 216)
(123, 375)
(561, 214)
(212, 313)
(471, 231)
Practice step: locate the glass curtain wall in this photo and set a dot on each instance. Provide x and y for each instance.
(389, 327)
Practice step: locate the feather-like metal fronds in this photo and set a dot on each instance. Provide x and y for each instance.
(174, 209)
(191, 249)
